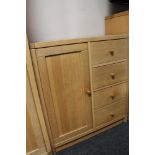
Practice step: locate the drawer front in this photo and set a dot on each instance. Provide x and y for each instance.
(107, 51)
(110, 113)
(110, 95)
(109, 74)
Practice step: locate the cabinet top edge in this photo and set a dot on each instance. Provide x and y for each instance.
(37, 45)
(123, 13)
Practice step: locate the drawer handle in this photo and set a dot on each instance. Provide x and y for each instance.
(112, 97)
(88, 92)
(112, 76)
(112, 115)
(111, 53)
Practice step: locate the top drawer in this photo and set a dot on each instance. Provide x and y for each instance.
(109, 50)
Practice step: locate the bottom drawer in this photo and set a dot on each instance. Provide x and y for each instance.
(110, 113)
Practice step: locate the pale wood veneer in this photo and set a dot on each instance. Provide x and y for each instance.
(109, 74)
(37, 141)
(110, 95)
(117, 23)
(108, 51)
(82, 85)
(65, 82)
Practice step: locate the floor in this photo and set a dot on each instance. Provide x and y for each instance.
(112, 142)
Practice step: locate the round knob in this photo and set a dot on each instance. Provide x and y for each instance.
(111, 53)
(112, 75)
(112, 97)
(88, 92)
(112, 115)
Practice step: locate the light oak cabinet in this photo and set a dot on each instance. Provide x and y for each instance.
(83, 86)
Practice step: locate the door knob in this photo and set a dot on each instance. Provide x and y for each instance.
(88, 92)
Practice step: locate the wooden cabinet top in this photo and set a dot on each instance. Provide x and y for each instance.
(123, 13)
(75, 41)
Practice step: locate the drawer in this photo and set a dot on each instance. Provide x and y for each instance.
(110, 95)
(107, 51)
(110, 113)
(109, 74)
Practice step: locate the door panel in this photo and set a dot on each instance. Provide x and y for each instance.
(65, 80)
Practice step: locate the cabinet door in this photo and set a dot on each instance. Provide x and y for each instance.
(34, 139)
(64, 75)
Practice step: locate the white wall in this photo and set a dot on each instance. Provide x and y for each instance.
(62, 19)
